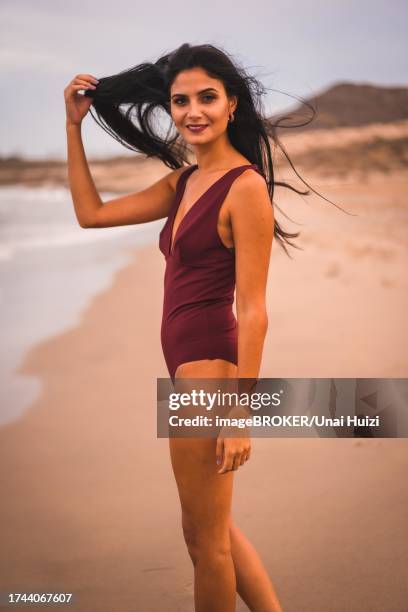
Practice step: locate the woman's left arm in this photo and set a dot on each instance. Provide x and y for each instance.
(252, 220)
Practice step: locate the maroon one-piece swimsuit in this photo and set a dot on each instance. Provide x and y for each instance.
(199, 281)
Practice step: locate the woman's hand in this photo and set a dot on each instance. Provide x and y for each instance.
(233, 451)
(77, 105)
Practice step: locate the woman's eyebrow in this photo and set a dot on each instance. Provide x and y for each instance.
(200, 92)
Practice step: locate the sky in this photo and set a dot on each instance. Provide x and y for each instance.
(299, 47)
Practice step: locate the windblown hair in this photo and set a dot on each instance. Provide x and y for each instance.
(127, 105)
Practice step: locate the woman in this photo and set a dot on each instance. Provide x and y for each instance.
(219, 230)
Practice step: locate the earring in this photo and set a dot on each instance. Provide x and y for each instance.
(231, 117)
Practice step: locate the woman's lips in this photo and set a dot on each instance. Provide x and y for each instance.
(196, 129)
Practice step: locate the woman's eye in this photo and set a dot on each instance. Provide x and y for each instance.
(177, 101)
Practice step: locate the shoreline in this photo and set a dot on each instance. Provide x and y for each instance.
(120, 284)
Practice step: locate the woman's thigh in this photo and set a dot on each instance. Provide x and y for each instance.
(205, 495)
(207, 368)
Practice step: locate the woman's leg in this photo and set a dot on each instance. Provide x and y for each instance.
(191, 457)
(253, 583)
(205, 498)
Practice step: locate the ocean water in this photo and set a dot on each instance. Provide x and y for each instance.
(50, 268)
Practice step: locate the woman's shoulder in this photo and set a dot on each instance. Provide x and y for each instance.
(249, 180)
(248, 187)
(174, 176)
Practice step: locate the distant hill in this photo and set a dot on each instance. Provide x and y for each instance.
(350, 105)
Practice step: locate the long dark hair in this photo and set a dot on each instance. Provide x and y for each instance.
(127, 106)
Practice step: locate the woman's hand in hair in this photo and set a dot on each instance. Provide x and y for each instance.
(76, 104)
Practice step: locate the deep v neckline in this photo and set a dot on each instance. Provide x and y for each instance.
(173, 239)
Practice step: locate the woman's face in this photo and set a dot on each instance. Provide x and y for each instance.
(198, 99)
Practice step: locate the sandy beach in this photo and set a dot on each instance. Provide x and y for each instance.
(89, 503)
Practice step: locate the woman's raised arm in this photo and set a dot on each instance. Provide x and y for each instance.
(148, 205)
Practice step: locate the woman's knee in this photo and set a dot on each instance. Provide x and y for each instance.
(206, 543)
